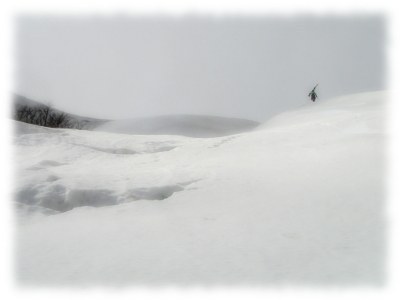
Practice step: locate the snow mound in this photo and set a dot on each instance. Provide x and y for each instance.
(360, 113)
(298, 201)
(185, 125)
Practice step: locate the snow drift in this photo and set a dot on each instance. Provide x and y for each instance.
(297, 201)
(186, 125)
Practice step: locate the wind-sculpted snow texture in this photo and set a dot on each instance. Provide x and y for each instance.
(298, 201)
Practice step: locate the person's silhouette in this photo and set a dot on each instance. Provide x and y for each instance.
(313, 94)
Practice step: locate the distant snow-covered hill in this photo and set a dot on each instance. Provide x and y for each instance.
(185, 125)
(298, 201)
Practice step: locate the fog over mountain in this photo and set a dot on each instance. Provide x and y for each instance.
(125, 67)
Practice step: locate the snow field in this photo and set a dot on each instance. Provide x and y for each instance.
(299, 200)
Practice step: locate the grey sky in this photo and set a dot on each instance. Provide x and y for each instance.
(246, 67)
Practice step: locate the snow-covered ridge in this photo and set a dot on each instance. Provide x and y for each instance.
(332, 113)
(299, 200)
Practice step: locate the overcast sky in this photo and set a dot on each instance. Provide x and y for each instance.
(246, 67)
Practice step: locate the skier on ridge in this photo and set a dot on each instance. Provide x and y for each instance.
(313, 94)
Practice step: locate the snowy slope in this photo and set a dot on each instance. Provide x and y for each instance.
(186, 125)
(297, 201)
